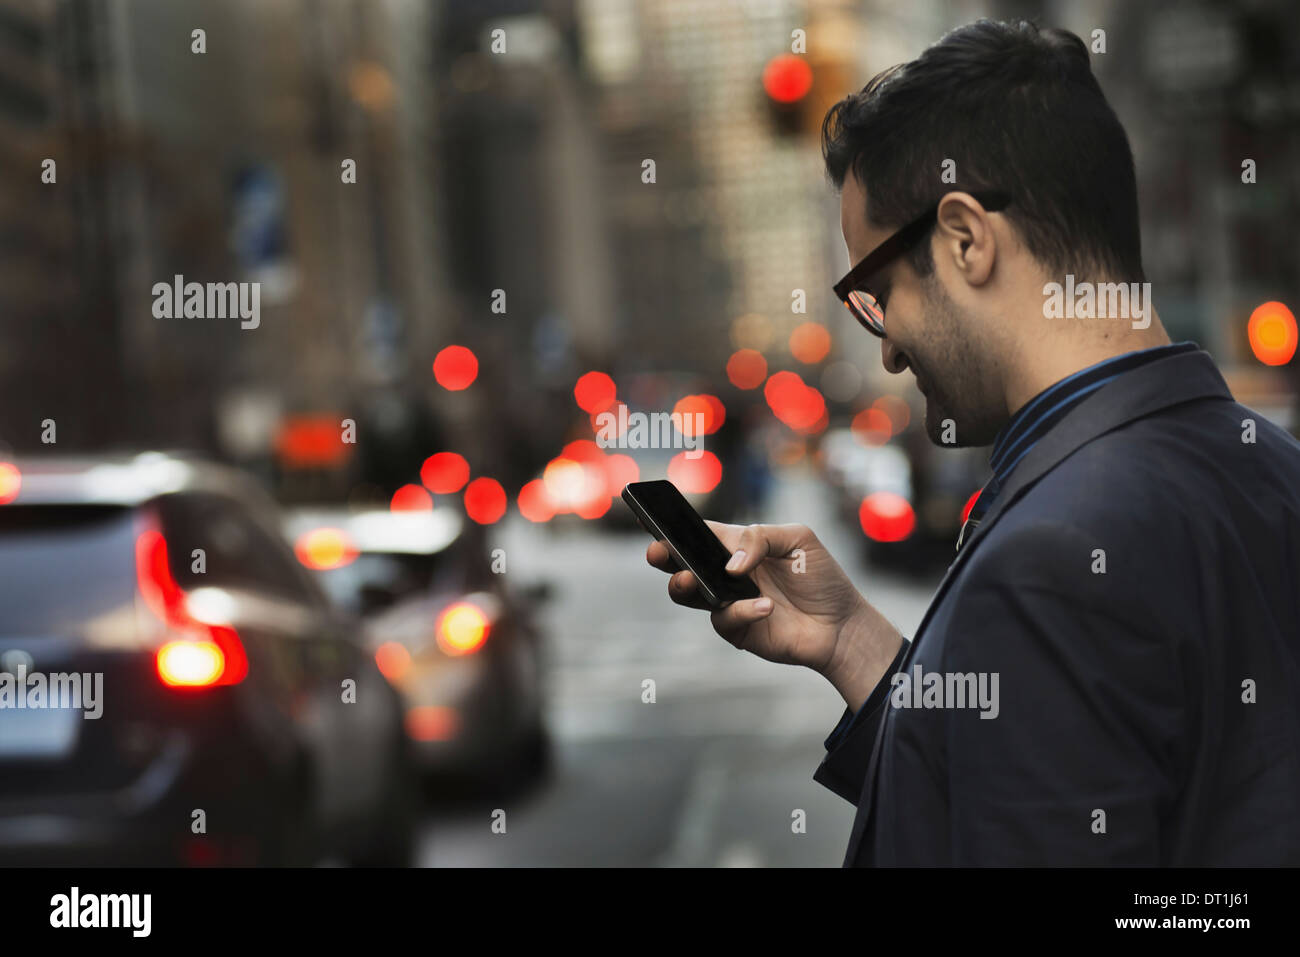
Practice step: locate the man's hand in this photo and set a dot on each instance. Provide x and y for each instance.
(809, 613)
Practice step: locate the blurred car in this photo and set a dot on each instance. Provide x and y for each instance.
(224, 669)
(464, 650)
(906, 496)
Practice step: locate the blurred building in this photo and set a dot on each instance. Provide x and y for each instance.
(221, 165)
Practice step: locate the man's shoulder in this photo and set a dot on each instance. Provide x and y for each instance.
(1209, 454)
(1161, 489)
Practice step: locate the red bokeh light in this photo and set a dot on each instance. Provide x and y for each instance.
(485, 500)
(534, 504)
(595, 392)
(787, 78)
(612, 426)
(444, 473)
(798, 405)
(595, 507)
(583, 450)
(455, 368)
(411, 498)
(886, 517)
(698, 475)
(619, 470)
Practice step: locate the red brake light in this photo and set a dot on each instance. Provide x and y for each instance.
(214, 655)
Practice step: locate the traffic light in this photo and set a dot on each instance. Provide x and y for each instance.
(787, 83)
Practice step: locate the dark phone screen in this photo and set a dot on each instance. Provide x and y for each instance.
(687, 533)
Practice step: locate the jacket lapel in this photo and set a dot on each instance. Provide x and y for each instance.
(1142, 392)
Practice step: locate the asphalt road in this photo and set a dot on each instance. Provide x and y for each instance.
(715, 771)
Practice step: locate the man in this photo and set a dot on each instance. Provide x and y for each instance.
(1109, 673)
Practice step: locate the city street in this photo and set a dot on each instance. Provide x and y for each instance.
(710, 774)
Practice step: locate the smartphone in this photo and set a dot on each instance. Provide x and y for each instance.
(664, 513)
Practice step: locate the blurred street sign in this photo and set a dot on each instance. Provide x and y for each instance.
(258, 233)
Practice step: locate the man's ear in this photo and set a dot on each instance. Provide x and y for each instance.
(964, 236)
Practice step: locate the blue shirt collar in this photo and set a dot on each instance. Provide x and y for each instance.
(1036, 417)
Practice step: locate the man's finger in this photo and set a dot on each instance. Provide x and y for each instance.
(659, 557)
(683, 590)
(757, 542)
(733, 622)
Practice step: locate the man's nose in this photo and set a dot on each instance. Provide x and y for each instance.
(891, 358)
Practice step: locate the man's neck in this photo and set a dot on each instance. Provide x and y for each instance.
(1042, 364)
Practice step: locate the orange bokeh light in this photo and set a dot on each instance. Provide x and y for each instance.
(899, 412)
(393, 660)
(190, 664)
(324, 548)
(746, 369)
(810, 342)
(872, 427)
(697, 414)
(11, 482)
(1272, 333)
(462, 629)
(432, 723)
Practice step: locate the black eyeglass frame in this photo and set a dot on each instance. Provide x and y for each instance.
(904, 239)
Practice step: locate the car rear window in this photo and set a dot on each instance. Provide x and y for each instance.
(375, 580)
(62, 566)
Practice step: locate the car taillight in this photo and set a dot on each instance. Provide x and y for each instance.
(190, 664)
(208, 654)
(324, 548)
(462, 629)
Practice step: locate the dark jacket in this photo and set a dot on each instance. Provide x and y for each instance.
(1136, 589)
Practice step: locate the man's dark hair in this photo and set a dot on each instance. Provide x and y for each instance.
(1017, 108)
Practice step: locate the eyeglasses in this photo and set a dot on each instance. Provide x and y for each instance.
(854, 290)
